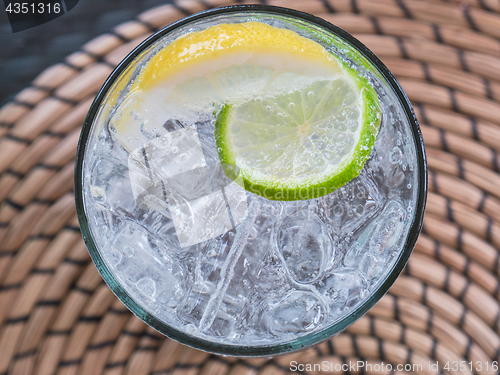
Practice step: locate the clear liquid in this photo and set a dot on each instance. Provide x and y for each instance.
(211, 259)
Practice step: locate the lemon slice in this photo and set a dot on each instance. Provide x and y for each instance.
(199, 53)
(302, 144)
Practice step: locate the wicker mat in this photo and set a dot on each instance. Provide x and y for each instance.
(58, 317)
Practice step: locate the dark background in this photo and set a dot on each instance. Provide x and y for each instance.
(25, 54)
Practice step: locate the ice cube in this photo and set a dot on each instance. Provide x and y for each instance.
(227, 270)
(115, 255)
(206, 131)
(304, 246)
(351, 206)
(187, 186)
(200, 220)
(110, 185)
(234, 193)
(370, 265)
(237, 200)
(388, 228)
(298, 312)
(372, 248)
(342, 288)
(168, 155)
(271, 280)
(158, 221)
(394, 175)
(223, 324)
(145, 265)
(201, 201)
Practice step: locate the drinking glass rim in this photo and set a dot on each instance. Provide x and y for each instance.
(308, 339)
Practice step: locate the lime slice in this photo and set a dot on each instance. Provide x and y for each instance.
(301, 144)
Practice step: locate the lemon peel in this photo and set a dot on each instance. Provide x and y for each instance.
(220, 41)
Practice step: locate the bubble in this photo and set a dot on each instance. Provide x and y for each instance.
(396, 156)
(147, 287)
(128, 251)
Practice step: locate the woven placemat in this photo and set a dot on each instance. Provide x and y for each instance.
(58, 317)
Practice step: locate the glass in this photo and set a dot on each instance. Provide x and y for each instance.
(358, 238)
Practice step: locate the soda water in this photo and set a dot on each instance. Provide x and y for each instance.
(208, 258)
